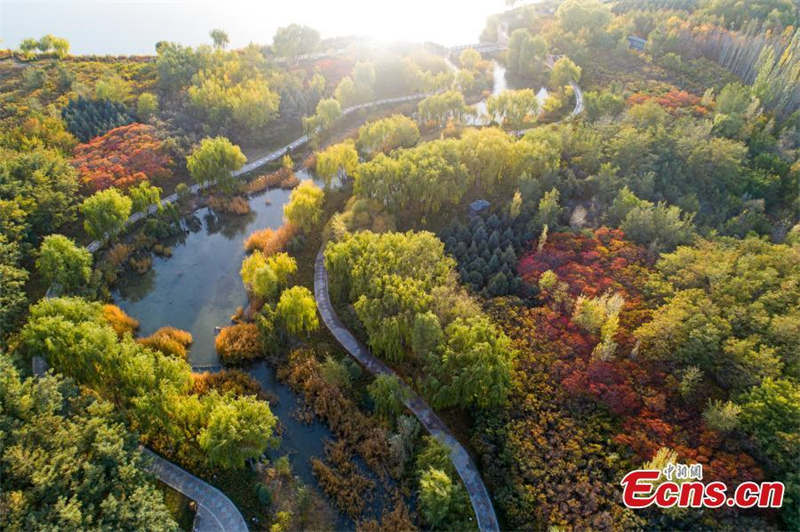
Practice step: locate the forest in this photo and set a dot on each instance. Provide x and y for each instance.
(574, 246)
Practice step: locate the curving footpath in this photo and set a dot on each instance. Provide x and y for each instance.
(478, 495)
(215, 511)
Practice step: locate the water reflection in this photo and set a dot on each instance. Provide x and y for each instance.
(198, 288)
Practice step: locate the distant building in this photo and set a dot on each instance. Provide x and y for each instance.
(478, 205)
(637, 43)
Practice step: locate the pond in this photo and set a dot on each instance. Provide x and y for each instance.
(198, 288)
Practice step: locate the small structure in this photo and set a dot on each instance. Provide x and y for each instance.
(637, 43)
(478, 205)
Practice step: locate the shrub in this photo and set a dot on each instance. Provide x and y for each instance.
(119, 320)
(270, 241)
(239, 343)
(169, 341)
(236, 205)
(226, 381)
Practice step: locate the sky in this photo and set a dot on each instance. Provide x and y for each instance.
(134, 26)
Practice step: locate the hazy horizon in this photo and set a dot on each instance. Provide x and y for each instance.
(122, 27)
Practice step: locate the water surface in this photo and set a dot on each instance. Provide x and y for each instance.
(199, 288)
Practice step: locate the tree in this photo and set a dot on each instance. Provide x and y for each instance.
(526, 53)
(37, 194)
(13, 300)
(660, 226)
(234, 95)
(113, 88)
(386, 134)
(564, 72)
(143, 196)
(213, 161)
(770, 413)
(237, 430)
(298, 310)
(436, 491)
(304, 209)
(387, 394)
(338, 160)
(63, 263)
(220, 38)
(469, 59)
(327, 112)
(439, 108)
(549, 211)
(265, 276)
(588, 15)
(105, 213)
(146, 106)
(154, 391)
(513, 108)
(294, 40)
(69, 462)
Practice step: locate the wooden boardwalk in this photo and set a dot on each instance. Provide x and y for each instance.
(478, 494)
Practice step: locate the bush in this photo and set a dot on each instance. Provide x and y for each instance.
(119, 320)
(169, 341)
(270, 241)
(226, 381)
(239, 343)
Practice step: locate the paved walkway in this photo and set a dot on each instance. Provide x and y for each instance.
(215, 511)
(478, 495)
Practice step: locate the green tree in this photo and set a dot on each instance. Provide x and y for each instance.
(143, 196)
(220, 38)
(236, 430)
(67, 462)
(294, 40)
(105, 213)
(234, 96)
(469, 59)
(327, 112)
(439, 108)
(304, 209)
(339, 160)
(513, 108)
(37, 194)
(63, 263)
(298, 310)
(13, 277)
(587, 15)
(146, 105)
(770, 413)
(388, 395)
(265, 276)
(564, 72)
(435, 494)
(386, 134)
(113, 88)
(213, 161)
(153, 390)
